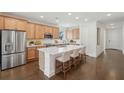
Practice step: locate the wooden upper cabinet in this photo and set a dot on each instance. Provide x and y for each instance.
(10, 23)
(49, 30)
(75, 33)
(15, 24)
(55, 33)
(39, 32)
(1, 22)
(30, 31)
(21, 25)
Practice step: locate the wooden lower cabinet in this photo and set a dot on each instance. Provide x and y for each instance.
(31, 54)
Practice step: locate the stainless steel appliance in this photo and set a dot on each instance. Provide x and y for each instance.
(12, 48)
(48, 36)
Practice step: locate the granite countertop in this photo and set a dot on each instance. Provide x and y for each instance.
(35, 46)
(55, 44)
(57, 49)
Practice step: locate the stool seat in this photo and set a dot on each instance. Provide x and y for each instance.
(61, 59)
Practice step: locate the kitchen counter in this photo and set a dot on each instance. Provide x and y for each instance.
(49, 45)
(48, 55)
(29, 46)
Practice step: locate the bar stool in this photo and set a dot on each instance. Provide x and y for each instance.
(63, 63)
(75, 57)
(82, 54)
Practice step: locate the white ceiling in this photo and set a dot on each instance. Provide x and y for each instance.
(66, 20)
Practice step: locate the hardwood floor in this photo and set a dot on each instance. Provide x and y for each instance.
(108, 66)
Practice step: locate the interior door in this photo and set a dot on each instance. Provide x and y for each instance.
(20, 41)
(113, 39)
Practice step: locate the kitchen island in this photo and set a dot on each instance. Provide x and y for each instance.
(48, 55)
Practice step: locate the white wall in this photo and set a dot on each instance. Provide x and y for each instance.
(88, 37)
(123, 37)
(88, 32)
(100, 48)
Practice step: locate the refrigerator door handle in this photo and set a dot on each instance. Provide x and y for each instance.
(6, 47)
(11, 46)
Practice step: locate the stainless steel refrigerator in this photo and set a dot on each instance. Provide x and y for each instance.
(13, 46)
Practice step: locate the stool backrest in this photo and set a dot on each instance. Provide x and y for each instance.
(82, 50)
(66, 55)
(76, 52)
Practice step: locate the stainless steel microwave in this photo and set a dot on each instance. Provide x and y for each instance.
(48, 36)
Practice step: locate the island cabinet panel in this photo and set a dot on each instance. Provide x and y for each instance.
(31, 54)
(30, 31)
(10, 23)
(37, 51)
(39, 32)
(1, 22)
(55, 33)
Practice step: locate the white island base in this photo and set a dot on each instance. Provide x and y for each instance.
(48, 55)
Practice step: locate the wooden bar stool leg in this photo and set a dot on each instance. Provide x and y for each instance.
(85, 58)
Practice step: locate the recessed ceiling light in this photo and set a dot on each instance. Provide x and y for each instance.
(85, 19)
(69, 13)
(77, 18)
(112, 27)
(109, 14)
(111, 24)
(42, 16)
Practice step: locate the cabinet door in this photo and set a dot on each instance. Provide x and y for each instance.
(21, 25)
(39, 32)
(30, 31)
(73, 34)
(49, 30)
(10, 23)
(1, 22)
(31, 53)
(55, 33)
(76, 33)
